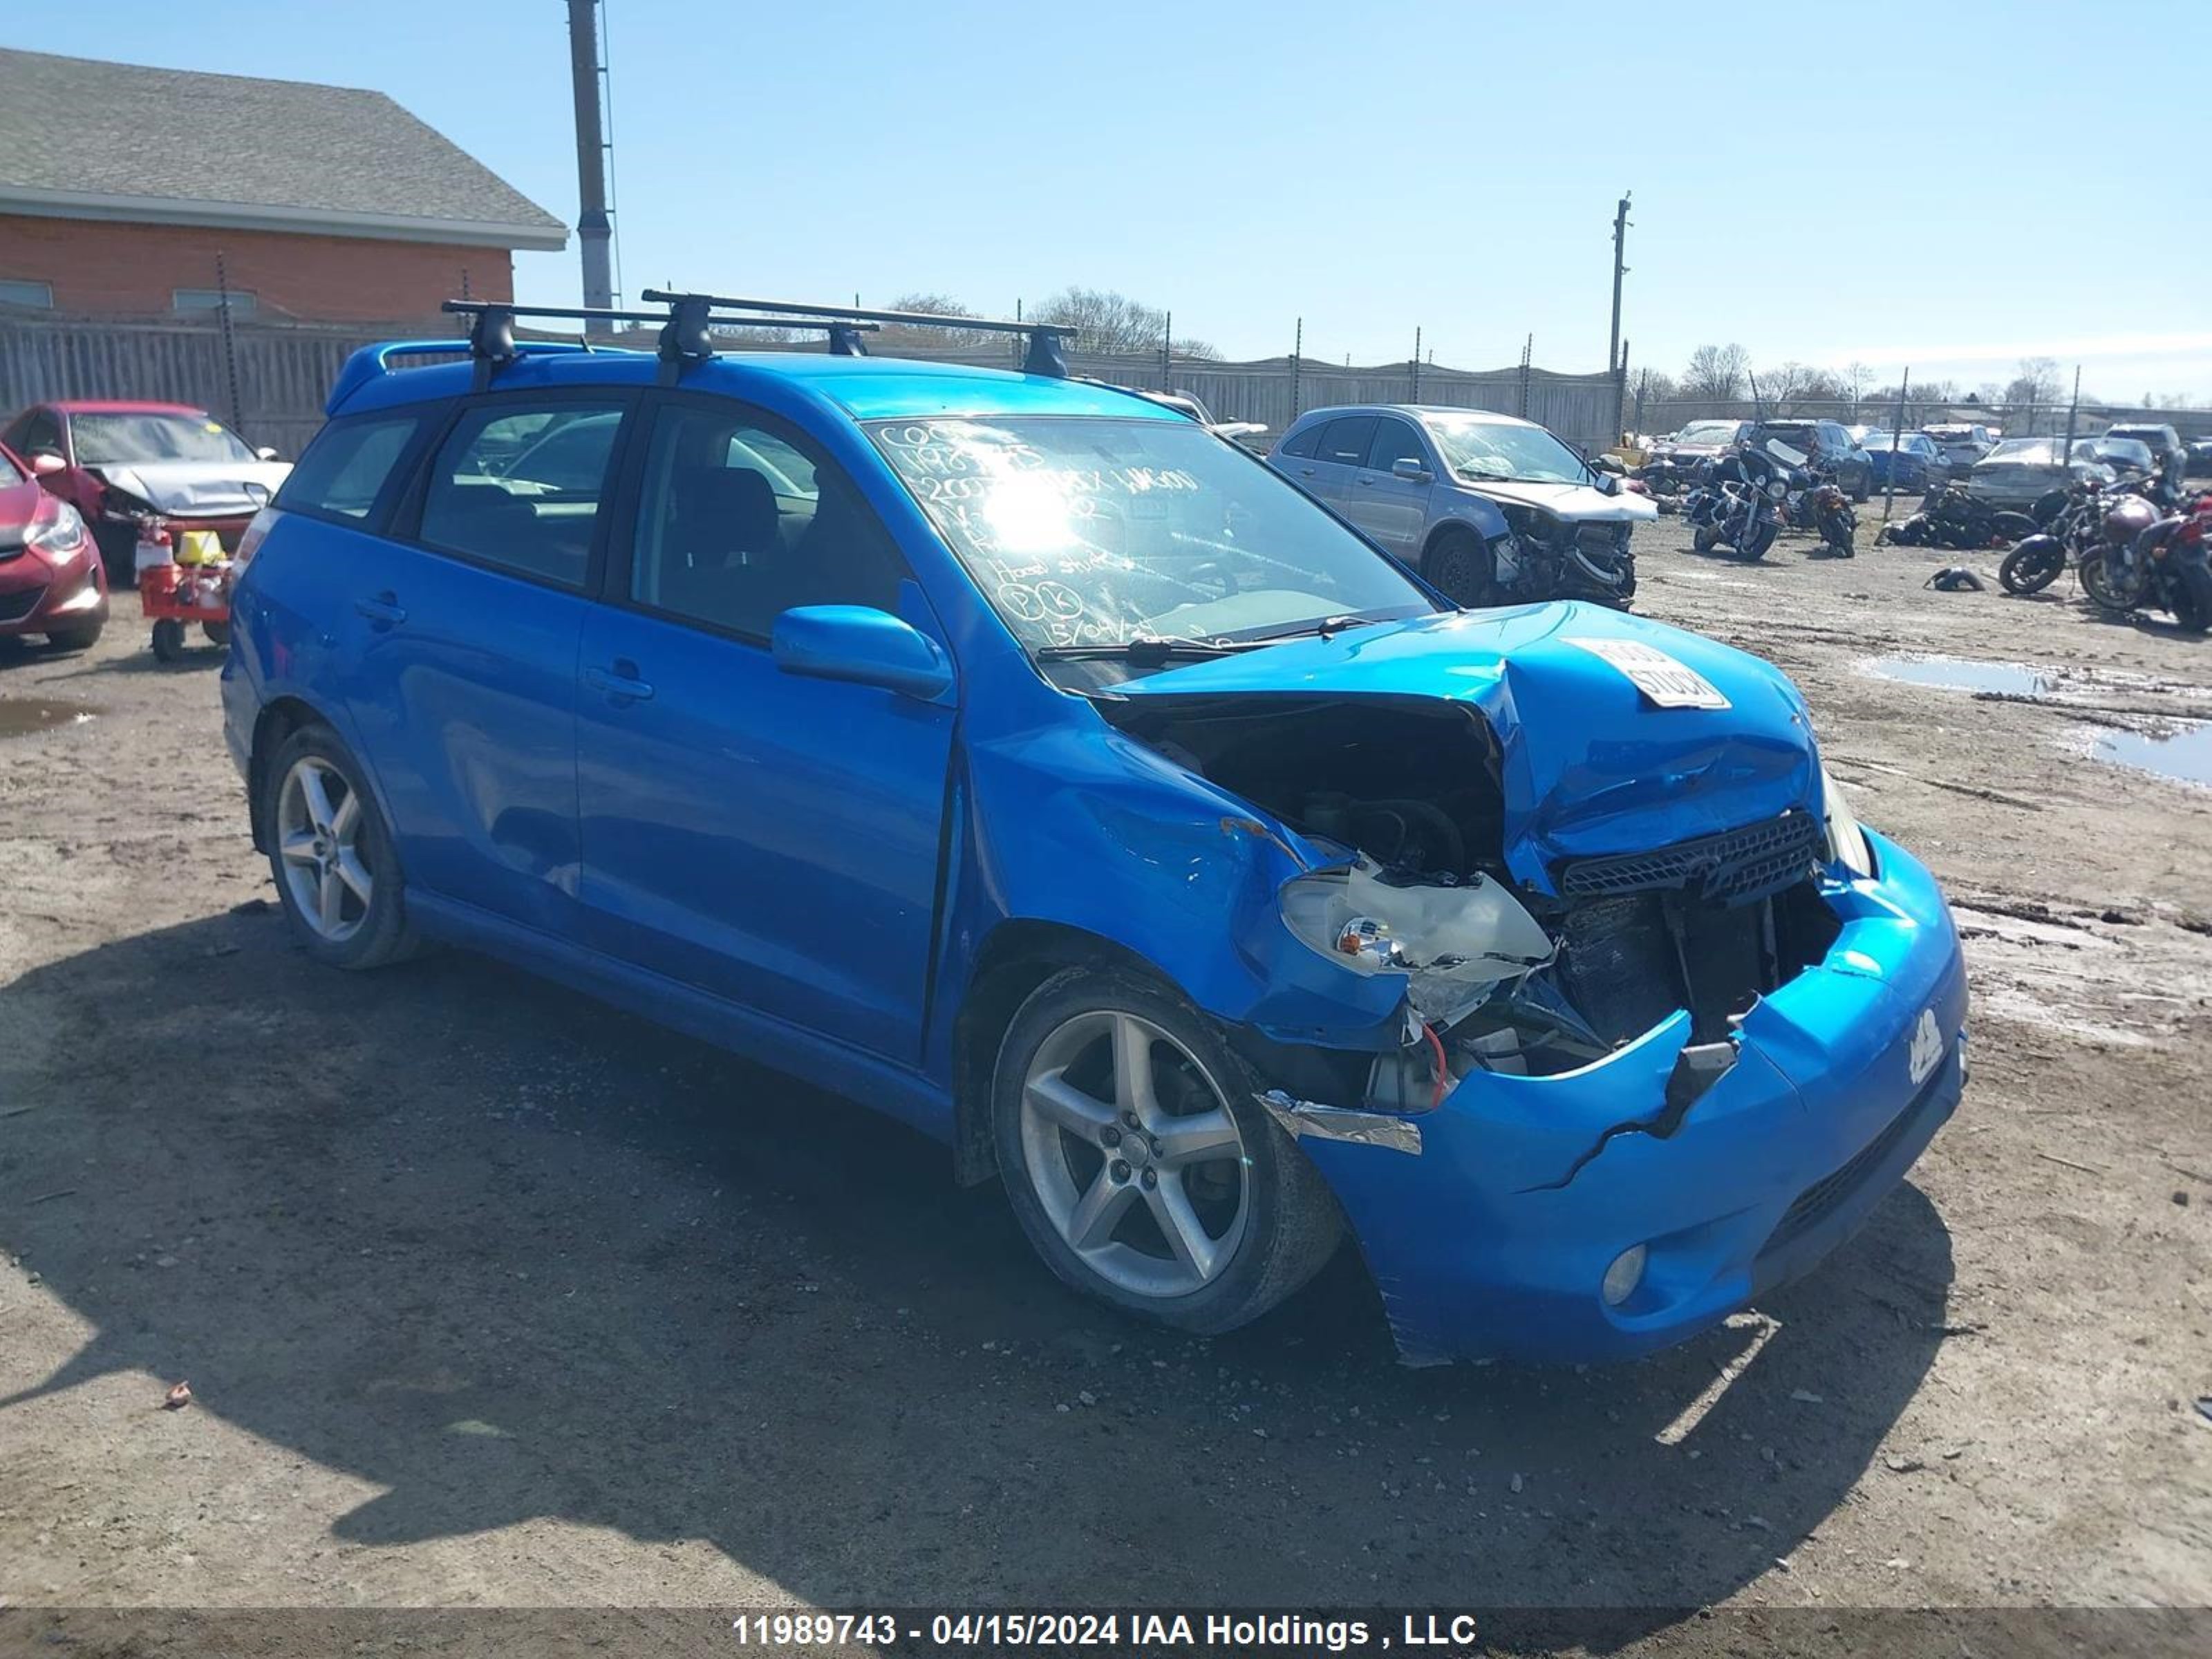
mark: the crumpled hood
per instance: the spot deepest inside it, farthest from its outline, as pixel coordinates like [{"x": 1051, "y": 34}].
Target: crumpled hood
[
  {"x": 1590, "y": 761},
  {"x": 1577, "y": 503},
  {"x": 206, "y": 489}
]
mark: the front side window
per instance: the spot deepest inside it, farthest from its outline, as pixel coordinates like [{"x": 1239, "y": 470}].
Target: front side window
[
  {"x": 1098, "y": 531},
  {"x": 1395, "y": 442},
  {"x": 140, "y": 437},
  {"x": 1500, "y": 452},
  {"x": 738, "y": 522},
  {"x": 519, "y": 487},
  {"x": 348, "y": 465},
  {"x": 1344, "y": 440}
]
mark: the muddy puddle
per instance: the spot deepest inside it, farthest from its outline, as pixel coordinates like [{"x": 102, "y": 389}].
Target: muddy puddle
[
  {"x": 2185, "y": 756},
  {"x": 20, "y": 716},
  {"x": 1963, "y": 674}
]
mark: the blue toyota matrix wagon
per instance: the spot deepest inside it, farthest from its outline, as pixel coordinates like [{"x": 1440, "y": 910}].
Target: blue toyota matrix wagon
[{"x": 1007, "y": 751}]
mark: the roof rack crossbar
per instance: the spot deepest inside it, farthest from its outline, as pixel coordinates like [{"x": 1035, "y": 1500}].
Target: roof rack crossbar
[{"x": 1045, "y": 352}]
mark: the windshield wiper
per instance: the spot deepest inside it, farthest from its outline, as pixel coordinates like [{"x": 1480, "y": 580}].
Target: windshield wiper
[
  {"x": 1144, "y": 648},
  {"x": 1325, "y": 627}
]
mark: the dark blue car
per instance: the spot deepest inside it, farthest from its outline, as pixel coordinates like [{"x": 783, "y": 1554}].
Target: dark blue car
[
  {"x": 1012, "y": 754},
  {"x": 1916, "y": 460}
]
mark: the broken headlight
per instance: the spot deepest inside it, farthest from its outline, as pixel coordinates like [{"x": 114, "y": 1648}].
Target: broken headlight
[
  {"x": 1454, "y": 942},
  {"x": 1847, "y": 843}
]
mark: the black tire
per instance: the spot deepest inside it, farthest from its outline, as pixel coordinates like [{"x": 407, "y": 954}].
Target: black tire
[
  {"x": 2012, "y": 527},
  {"x": 75, "y": 639},
  {"x": 2032, "y": 566},
  {"x": 218, "y": 633},
  {"x": 1460, "y": 565},
  {"x": 2048, "y": 506},
  {"x": 1704, "y": 538},
  {"x": 384, "y": 934},
  {"x": 1840, "y": 531},
  {"x": 1755, "y": 545},
  {"x": 2192, "y": 598},
  {"x": 2097, "y": 581},
  {"x": 1292, "y": 1225},
  {"x": 1864, "y": 487},
  {"x": 169, "y": 640}
]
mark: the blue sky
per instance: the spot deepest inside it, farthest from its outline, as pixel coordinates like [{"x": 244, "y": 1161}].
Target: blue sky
[{"x": 1953, "y": 187}]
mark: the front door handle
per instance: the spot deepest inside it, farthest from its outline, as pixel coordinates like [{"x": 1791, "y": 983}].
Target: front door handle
[
  {"x": 620, "y": 682},
  {"x": 384, "y": 609},
  {"x": 1305, "y": 472},
  {"x": 1369, "y": 482}
]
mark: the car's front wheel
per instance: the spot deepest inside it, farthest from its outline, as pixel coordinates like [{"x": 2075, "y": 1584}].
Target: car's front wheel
[
  {"x": 331, "y": 852},
  {"x": 1139, "y": 1162}
]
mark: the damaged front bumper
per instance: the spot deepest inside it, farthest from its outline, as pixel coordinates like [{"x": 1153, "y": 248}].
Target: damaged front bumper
[{"x": 1490, "y": 1230}]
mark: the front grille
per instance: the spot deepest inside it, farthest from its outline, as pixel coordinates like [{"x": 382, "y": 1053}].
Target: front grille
[
  {"x": 1732, "y": 867},
  {"x": 1820, "y": 1200},
  {"x": 14, "y": 607}
]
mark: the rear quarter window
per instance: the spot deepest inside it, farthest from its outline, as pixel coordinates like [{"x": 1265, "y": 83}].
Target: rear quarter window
[{"x": 350, "y": 468}]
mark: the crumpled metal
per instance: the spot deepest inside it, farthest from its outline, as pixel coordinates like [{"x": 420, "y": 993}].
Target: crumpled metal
[{"x": 1310, "y": 1119}]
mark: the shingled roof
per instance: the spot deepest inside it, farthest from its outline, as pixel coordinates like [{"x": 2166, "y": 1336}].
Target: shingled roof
[{"x": 80, "y": 138}]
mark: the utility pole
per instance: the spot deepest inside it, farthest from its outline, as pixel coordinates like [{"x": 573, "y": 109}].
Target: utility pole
[
  {"x": 1896, "y": 435},
  {"x": 2073, "y": 409},
  {"x": 1415, "y": 397},
  {"x": 594, "y": 230},
  {"x": 1619, "y": 269},
  {"x": 1298, "y": 353}
]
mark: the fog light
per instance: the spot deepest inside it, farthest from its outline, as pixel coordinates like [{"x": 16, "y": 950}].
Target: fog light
[{"x": 1623, "y": 1277}]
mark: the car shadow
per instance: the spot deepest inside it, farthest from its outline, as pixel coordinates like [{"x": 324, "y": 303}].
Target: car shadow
[{"x": 504, "y": 1254}]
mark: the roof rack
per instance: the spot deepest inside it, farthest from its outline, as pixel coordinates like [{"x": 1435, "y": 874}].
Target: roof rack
[
  {"x": 492, "y": 344},
  {"x": 1043, "y": 353}
]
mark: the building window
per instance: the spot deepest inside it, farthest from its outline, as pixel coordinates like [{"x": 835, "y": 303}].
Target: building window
[
  {"x": 191, "y": 300},
  {"x": 35, "y": 296}
]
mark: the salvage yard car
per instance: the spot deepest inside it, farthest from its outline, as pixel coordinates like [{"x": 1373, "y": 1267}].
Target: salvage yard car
[
  {"x": 2020, "y": 471},
  {"x": 1488, "y": 507},
  {"x": 51, "y": 581},
  {"x": 127, "y": 466},
  {"x": 1014, "y": 755}
]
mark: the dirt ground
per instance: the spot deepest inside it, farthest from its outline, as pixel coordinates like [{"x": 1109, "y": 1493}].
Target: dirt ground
[{"x": 490, "y": 1296}]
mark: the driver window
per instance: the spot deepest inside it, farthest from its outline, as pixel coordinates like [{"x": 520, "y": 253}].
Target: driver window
[{"x": 740, "y": 519}]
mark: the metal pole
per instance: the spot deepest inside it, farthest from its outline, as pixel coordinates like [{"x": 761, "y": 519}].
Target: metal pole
[
  {"x": 1297, "y": 351},
  {"x": 1643, "y": 385},
  {"x": 230, "y": 345},
  {"x": 1527, "y": 349},
  {"x": 1897, "y": 430},
  {"x": 1620, "y": 247},
  {"x": 594, "y": 231},
  {"x": 1619, "y": 394},
  {"x": 1415, "y": 397},
  {"x": 1167, "y": 339},
  {"x": 2066, "y": 457}
]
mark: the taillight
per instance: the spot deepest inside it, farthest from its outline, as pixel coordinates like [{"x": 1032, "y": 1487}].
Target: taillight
[{"x": 254, "y": 534}]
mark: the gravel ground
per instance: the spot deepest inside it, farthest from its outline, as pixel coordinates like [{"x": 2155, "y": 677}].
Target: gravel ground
[{"x": 490, "y": 1296}]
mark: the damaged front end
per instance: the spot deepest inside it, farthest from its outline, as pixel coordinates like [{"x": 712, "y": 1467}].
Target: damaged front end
[{"x": 1653, "y": 987}]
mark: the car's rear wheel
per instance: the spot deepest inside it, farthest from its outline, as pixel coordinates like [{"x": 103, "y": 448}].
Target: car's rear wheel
[
  {"x": 1139, "y": 1162},
  {"x": 329, "y": 850}
]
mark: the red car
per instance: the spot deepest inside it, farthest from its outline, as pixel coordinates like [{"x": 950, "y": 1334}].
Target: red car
[
  {"x": 122, "y": 464},
  {"x": 51, "y": 579}
]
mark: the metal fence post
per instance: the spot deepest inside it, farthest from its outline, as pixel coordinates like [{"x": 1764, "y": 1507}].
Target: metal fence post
[
  {"x": 1897, "y": 430},
  {"x": 1297, "y": 351},
  {"x": 229, "y": 344}
]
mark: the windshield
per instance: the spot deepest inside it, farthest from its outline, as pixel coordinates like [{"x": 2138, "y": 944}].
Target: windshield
[
  {"x": 2109, "y": 448},
  {"x": 1707, "y": 431},
  {"x": 1096, "y": 531},
  {"x": 124, "y": 439},
  {"x": 1497, "y": 451},
  {"x": 2029, "y": 451}
]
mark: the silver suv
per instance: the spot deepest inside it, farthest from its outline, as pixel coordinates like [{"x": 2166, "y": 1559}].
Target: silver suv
[{"x": 1492, "y": 510}]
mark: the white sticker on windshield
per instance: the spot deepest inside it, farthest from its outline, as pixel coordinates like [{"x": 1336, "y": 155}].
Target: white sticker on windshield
[{"x": 1669, "y": 684}]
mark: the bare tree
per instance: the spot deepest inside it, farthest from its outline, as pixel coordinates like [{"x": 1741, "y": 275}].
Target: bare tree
[
  {"x": 1716, "y": 372},
  {"x": 1104, "y": 321},
  {"x": 1857, "y": 377},
  {"x": 1779, "y": 386},
  {"x": 2038, "y": 382}
]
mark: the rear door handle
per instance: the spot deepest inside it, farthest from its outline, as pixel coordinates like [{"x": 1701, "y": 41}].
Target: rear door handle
[
  {"x": 383, "y": 610},
  {"x": 620, "y": 682}
]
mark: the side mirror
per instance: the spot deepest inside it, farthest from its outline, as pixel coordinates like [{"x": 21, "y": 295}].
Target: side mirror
[
  {"x": 1409, "y": 468},
  {"x": 265, "y": 454},
  {"x": 44, "y": 463},
  {"x": 861, "y": 646},
  {"x": 1607, "y": 483}
]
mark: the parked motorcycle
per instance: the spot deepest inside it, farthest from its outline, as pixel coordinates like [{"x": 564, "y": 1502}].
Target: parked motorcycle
[
  {"x": 2083, "y": 520},
  {"x": 1737, "y": 501},
  {"x": 2163, "y": 566},
  {"x": 1821, "y": 507},
  {"x": 1949, "y": 517}
]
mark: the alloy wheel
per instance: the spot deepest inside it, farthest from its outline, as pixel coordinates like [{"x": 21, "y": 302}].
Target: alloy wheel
[
  {"x": 319, "y": 838},
  {"x": 1134, "y": 1153}
]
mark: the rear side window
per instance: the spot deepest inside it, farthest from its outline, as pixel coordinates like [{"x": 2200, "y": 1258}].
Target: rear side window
[
  {"x": 1345, "y": 441},
  {"x": 348, "y": 467},
  {"x": 519, "y": 487},
  {"x": 1301, "y": 444}
]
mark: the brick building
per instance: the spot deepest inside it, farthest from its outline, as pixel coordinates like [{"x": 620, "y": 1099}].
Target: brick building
[{"x": 121, "y": 186}]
